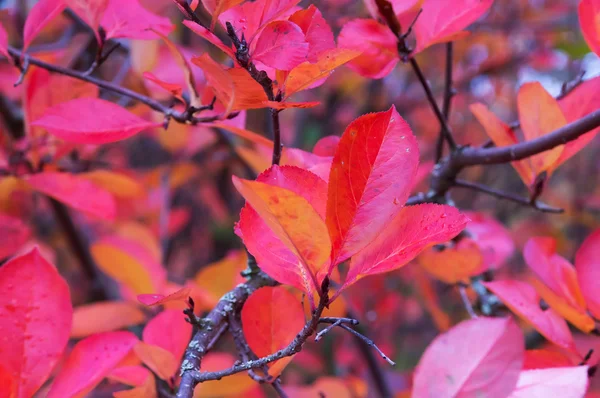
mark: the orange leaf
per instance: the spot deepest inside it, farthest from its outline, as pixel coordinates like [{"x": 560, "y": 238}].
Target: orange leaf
[
  {"x": 218, "y": 78},
  {"x": 159, "y": 360},
  {"x": 160, "y": 299},
  {"x": 169, "y": 331},
  {"x": 146, "y": 390},
  {"x": 232, "y": 386},
  {"x": 120, "y": 185},
  {"x": 453, "y": 264},
  {"x": 105, "y": 317},
  {"x": 220, "y": 277}
]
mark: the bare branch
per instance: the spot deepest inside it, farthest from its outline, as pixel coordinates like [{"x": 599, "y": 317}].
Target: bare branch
[{"x": 448, "y": 94}]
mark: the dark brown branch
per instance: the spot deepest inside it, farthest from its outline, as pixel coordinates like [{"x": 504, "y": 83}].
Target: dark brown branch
[
  {"x": 277, "y": 146},
  {"x": 507, "y": 195},
  {"x": 448, "y": 94},
  {"x": 479, "y": 156}
]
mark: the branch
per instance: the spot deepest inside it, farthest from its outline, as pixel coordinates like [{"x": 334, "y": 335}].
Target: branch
[
  {"x": 544, "y": 208},
  {"x": 470, "y": 156},
  {"x": 231, "y": 302},
  {"x": 448, "y": 94}
]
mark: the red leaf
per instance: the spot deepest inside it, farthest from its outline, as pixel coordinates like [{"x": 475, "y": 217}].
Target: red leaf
[
  {"x": 90, "y": 361},
  {"x": 271, "y": 318},
  {"x": 281, "y": 45},
  {"x": 555, "y": 271},
  {"x": 523, "y": 300},
  {"x": 159, "y": 299},
  {"x": 210, "y": 37},
  {"x": 413, "y": 229},
  {"x": 41, "y": 14},
  {"x": 4, "y": 42},
  {"x": 92, "y": 121},
  {"x": 14, "y": 233},
  {"x": 377, "y": 44},
  {"x": 371, "y": 178},
  {"x": 129, "y": 19},
  {"x": 544, "y": 358},
  {"x": 588, "y": 271},
  {"x": 442, "y": 21},
  {"x": 35, "y": 320},
  {"x": 580, "y": 102},
  {"x": 567, "y": 382},
  {"x": 175, "y": 89},
  {"x": 91, "y": 11},
  {"x": 327, "y": 146},
  {"x": 216, "y": 8},
  {"x": 170, "y": 331},
  {"x": 480, "y": 356},
  {"x": 589, "y": 12},
  {"x": 276, "y": 256},
  {"x": 74, "y": 191},
  {"x": 317, "y": 31},
  {"x": 294, "y": 216}
]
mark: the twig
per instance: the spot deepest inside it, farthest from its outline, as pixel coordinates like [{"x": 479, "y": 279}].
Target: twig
[
  {"x": 507, "y": 195},
  {"x": 448, "y": 94},
  {"x": 465, "y": 299},
  {"x": 277, "y": 147},
  {"x": 369, "y": 342}
]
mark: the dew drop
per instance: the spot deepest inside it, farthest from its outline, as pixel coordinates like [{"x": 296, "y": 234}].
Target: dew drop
[
  {"x": 444, "y": 215},
  {"x": 407, "y": 150}
]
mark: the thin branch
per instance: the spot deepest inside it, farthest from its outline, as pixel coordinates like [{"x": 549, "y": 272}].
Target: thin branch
[
  {"x": 467, "y": 303},
  {"x": 448, "y": 94},
  {"x": 480, "y": 156},
  {"x": 369, "y": 342},
  {"x": 277, "y": 146},
  {"x": 507, "y": 195}
]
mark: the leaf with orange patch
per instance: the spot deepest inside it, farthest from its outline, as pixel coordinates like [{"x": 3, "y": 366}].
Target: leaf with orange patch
[
  {"x": 105, "y": 317},
  {"x": 453, "y": 264}
]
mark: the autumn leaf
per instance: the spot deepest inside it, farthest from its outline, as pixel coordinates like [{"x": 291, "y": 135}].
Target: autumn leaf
[
  {"x": 14, "y": 234},
  {"x": 453, "y": 263},
  {"x": 281, "y": 45},
  {"x": 159, "y": 360},
  {"x": 522, "y": 299},
  {"x": 90, "y": 361},
  {"x": 369, "y": 183},
  {"x": 283, "y": 226},
  {"x": 131, "y": 20},
  {"x": 271, "y": 318},
  {"x": 317, "y": 32},
  {"x": 146, "y": 390},
  {"x": 160, "y": 299},
  {"x": 588, "y": 271},
  {"x": 41, "y": 14},
  {"x": 92, "y": 121},
  {"x": 105, "y": 316},
  {"x": 169, "y": 331},
  {"x": 589, "y": 12},
  {"x": 35, "y": 320},
  {"x": 91, "y": 12},
  {"x": 132, "y": 375},
  {"x": 412, "y": 230},
  {"x": 478, "y": 356},
  {"x": 567, "y": 382},
  {"x": 234, "y": 385}
]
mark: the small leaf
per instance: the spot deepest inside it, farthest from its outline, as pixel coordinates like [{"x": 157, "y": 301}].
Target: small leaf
[
  {"x": 92, "y": 121},
  {"x": 281, "y": 45},
  {"x": 105, "y": 316},
  {"x": 210, "y": 37},
  {"x": 74, "y": 191},
  {"x": 42, "y": 13},
  {"x": 90, "y": 361},
  {"x": 371, "y": 177},
  {"x": 317, "y": 31},
  {"x": 588, "y": 271},
  {"x": 131, "y": 20},
  {"x": 169, "y": 331},
  {"x": 160, "y": 299},
  {"x": 271, "y": 318},
  {"x": 480, "y": 356},
  {"x": 522, "y": 299},
  {"x": 35, "y": 320},
  {"x": 589, "y": 12}
]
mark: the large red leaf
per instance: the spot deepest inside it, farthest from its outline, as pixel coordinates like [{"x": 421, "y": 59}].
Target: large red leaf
[
  {"x": 92, "y": 121},
  {"x": 442, "y": 21},
  {"x": 317, "y": 31},
  {"x": 281, "y": 45},
  {"x": 90, "y": 361},
  {"x": 567, "y": 382},
  {"x": 589, "y": 12},
  {"x": 290, "y": 202},
  {"x": 35, "y": 320},
  {"x": 376, "y": 42},
  {"x": 413, "y": 229},
  {"x": 42, "y": 13},
  {"x": 587, "y": 264},
  {"x": 523, "y": 300},
  {"x": 271, "y": 318},
  {"x": 129, "y": 19},
  {"x": 76, "y": 192},
  {"x": 371, "y": 177},
  {"x": 477, "y": 357},
  {"x": 14, "y": 233}
]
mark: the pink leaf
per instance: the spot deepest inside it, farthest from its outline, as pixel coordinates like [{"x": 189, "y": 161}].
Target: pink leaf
[
  {"x": 587, "y": 264},
  {"x": 170, "y": 331},
  {"x": 317, "y": 31},
  {"x": 377, "y": 44},
  {"x": 4, "y": 42},
  {"x": 480, "y": 356},
  {"x": 90, "y": 361},
  {"x": 92, "y": 121},
  {"x": 210, "y": 37},
  {"x": 14, "y": 233},
  {"x": 371, "y": 177},
  {"x": 35, "y": 320},
  {"x": 159, "y": 299},
  {"x": 413, "y": 229},
  {"x": 41, "y": 14},
  {"x": 568, "y": 382},
  {"x": 589, "y": 12},
  {"x": 76, "y": 192},
  {"x": 523, "y": 300},
  {"x": 129, "y": 19},
  {"x": 442, "y": 21},
  {"x": 90, "y": 11},
  {"x": 492, "y": 237},
  {"x": 281, "y": 45}
]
